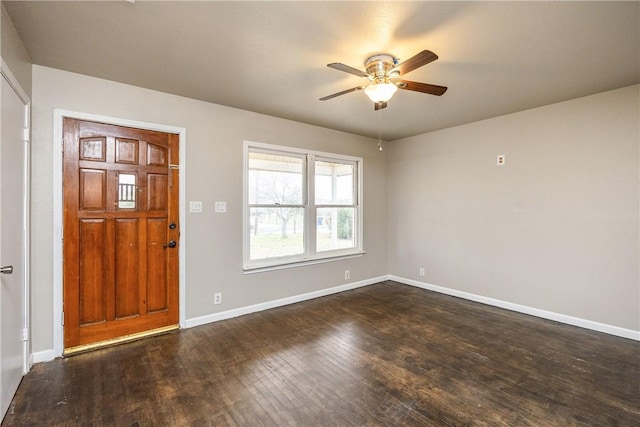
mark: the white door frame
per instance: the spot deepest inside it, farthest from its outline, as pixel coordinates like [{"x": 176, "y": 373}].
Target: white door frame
[
  {"x": 58, "y": 116},
  {"x": 26, "y": 289}
]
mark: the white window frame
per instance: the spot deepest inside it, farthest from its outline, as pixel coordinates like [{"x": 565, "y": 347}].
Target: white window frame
[{"x": 310, "y": 256}]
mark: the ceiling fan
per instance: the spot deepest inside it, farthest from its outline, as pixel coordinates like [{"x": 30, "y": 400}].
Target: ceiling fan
[{"x": 384, "y": 72}]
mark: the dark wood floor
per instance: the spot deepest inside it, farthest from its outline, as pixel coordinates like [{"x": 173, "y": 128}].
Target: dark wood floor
[{"x": 386, "y": 354}]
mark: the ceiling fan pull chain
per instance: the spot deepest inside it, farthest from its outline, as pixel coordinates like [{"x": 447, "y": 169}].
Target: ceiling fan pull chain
[{"x": 380, "y": 132}]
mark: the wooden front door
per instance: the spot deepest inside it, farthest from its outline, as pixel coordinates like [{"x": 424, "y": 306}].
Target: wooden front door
[{"x": 121, "y": 231}]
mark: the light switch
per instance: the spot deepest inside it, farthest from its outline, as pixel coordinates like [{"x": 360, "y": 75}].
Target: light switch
[{"x": 195, "y": 206}]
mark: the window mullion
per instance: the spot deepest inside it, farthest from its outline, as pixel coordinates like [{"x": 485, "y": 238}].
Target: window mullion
[
  {"x": 358, "y": 203},
  {"x": 310, "y": 211}
]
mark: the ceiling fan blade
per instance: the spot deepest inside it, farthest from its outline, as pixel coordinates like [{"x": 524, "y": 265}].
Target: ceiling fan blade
[
  {"x": 333, "y": 95},
  {"x": 379, "y": 105},
  {"x": 347, "y": 69},
  {"x": 416, "y": 61},
  {"x": 421, "y": 87}
]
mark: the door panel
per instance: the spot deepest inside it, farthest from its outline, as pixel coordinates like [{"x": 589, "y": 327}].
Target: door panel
[
  {"x": 93, "y": 283},
  {"x": 12, "y": 243},
  {"x": 93, "y": 191},
  {"x": 157, "y": 199},
  {"x": 93, "y": 149},
  {"x": 126, "y": 151},
  {"x": 127, "y": 286},
  {"x": 120, "y": 195},
  {"x": 157, "y": 264},
  {"x": 156, "y": 155}
]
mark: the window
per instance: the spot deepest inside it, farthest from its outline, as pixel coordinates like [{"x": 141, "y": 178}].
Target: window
[
  {"x": 126, "y": 191},
  {"x": 300, "y": 206}
]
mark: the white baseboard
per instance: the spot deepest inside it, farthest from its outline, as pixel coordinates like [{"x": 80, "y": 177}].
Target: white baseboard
[
  {"x": 216, "y": 317},
  {"x": 562, "y": 318},
  {"x": 42, "y": 356}
]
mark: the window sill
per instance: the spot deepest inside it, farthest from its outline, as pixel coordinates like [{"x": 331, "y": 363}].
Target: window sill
[{"x": 302, "y": 263}]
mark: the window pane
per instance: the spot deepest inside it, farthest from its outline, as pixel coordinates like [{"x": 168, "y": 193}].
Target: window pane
[
  {"x": 126, "y": 191},
  {"x": 334, "y": 229},
  {"x": 334, "y": 183},
  {"x": 276, "y": 232},
  {"x": 275, "y": 179}
]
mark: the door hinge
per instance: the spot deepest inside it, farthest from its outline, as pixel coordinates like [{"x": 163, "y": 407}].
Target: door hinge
[
  {"x": 26, "y": 136},
  {"x": 63, "y": 318},
  {"x": 25, "y": 334}
]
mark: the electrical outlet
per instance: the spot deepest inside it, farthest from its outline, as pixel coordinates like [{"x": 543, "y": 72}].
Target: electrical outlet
[
  {"x": 217, "y": 298},
  {"x": 347, "y": 275},
  {"x": 501, "y": 160},
  {"x": 422, "y": 271}
]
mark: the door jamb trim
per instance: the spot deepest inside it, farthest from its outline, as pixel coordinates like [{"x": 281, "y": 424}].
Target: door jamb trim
[{"x": 58, "y": 116}]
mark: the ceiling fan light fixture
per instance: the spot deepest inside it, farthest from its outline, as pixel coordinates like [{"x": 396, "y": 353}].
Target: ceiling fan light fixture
[
  {"x": 382, "y": 72},
  {"x": 380, "y": 90}
]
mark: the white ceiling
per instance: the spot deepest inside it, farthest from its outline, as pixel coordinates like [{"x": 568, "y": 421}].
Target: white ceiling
[{"x": 270, "y": 57}]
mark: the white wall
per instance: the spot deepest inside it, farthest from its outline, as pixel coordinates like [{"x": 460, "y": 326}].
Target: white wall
[
  {"x": 214, "y": 147},
  {"x": 556, "y": 228}
]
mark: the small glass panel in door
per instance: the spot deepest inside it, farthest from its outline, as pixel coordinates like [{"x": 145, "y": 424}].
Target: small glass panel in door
[{"x": 127, "y": 191}]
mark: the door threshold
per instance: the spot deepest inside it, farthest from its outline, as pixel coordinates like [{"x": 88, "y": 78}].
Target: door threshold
[{"x": 71, "y": 351}]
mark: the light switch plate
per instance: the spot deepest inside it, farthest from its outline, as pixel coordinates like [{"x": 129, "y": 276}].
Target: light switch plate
[
  {"x": 221, "y": 207},
  {"x": 195, "y": 206}
]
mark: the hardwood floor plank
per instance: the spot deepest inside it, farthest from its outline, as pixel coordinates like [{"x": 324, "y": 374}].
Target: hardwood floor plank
[{"x": 383, "y": 355}]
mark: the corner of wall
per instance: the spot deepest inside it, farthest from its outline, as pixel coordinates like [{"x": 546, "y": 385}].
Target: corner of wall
[{"x": 13, "y": 51}]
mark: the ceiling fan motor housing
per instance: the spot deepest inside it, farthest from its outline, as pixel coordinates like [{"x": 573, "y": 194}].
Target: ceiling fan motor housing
[{"x": 379, "y": 67}]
